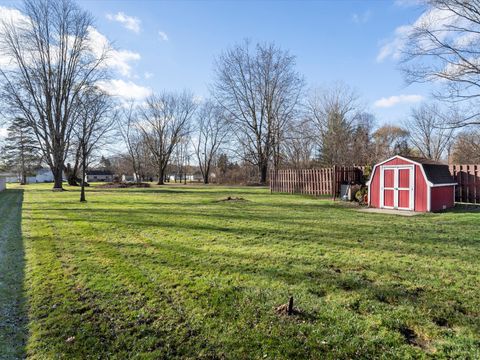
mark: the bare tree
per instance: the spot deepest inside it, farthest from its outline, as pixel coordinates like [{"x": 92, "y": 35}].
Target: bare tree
[
  {"x": 299, "y": 146},
  {"x": 51, "y": 61},
  {"x": 211, "y": 134},
  {"x": 390, "y": 140},
  {"x": 466, "y": 148},
  {"x": 260, "y": 90},
  {"x": 443, "y": 47},
  {"x": 132, "y": 138},
  {"x": 164, "y": 122},
  {"x": 428, "y": 132},
  {"x": 334, "y": 112},
  {"x": 95, "y": 119}
]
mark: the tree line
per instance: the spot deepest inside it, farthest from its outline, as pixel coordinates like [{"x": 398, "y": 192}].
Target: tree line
[{"x": 259, "y": 115}]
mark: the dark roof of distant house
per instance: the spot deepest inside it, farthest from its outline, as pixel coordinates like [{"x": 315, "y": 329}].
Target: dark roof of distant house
[
  {"x": 436, "y": 171},
  {"x": 99, "y": 172}
]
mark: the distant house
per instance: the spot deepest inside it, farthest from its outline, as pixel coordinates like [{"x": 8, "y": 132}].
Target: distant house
[
  {"x": 129, "y": 178},
  {"x": 99, "y": 175},
  {"x": 43, "y": 176},
  {"x": 190, "y": 177}
]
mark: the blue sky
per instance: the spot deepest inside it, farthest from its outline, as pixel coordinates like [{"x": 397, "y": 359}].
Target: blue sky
[{"x": 172, "y": 44}]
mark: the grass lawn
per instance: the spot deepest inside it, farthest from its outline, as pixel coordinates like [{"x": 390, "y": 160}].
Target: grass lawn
[{"x": 171, "y": 272}]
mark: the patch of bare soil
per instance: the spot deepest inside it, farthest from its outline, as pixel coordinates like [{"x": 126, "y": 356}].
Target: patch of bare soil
[
  {"x": 123, "y": 185},
  {"x": 232, "y": 198},
  {"x": 412, "y": 338}
]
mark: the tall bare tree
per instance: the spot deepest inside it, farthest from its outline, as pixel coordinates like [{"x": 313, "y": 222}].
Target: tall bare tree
[
  {"x": 334, "y": 112},
  {"x": 443, "y": 47},
  {"x": 132, "y": 138},
  {"x": 260, "y": 89},
  {"x": 95, "y": 119},
  {"x": 164, "y": 121},
  {"x": 211, "y": 134},
  {"x": 428, "y": 132},
  {"x": 51, "y": 62}
]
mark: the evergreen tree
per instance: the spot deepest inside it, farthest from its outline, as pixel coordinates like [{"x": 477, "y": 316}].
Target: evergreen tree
[{"x": 20, "y": 152}]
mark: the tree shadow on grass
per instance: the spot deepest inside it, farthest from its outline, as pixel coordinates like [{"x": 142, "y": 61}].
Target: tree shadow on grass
[{"x": 13, "y": 320}]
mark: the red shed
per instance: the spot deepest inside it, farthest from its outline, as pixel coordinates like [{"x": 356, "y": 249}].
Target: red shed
[{"x": 411, "y": 183}]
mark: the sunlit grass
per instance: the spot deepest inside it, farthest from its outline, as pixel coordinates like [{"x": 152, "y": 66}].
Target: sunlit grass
[{"x": 172, "y": 272}]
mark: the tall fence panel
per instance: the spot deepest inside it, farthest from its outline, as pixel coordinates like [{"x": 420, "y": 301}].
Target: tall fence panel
[
  {"x": 322, "y": 181},
  {"x": 467, "y": 177}
]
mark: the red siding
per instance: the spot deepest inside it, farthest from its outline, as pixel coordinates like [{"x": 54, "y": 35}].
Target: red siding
[
  {"x": 403, "y": 198},
  {"x": 388, "y": 198},
  {"x": 403, "y": 178},
  {"x": 375, "y": 189},
  {"x": 398, "y": 161},
  {"x": 421, "y": 191},
  {"x": 442, "y": 196}
]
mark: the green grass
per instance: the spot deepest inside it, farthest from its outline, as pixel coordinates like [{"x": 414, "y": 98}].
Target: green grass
[{"x": 171, "y": 272}]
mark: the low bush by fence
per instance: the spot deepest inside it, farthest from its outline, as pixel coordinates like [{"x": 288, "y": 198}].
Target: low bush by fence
[{"x": 327, "y": 181}]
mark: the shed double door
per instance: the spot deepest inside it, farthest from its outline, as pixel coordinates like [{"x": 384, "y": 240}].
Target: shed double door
[{"x": 397, "y": 187}]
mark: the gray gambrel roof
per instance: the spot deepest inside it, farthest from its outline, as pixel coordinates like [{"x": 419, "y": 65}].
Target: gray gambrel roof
[{"x": 435, "y": 171}]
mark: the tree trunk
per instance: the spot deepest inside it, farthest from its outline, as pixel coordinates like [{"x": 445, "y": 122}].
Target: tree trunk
[
  {"x": 161, "y": 176},
  {"x": 205, "y": 178},
  {"x": 263, "y": 173},
  {"x": 82, "y": 190},
  {"x": 58, "y": 177}
]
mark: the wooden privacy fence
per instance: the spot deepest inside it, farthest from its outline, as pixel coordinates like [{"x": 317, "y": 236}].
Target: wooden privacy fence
[
  {"x": 467, "y": 177},
  {"x": 324, "y": 181}
]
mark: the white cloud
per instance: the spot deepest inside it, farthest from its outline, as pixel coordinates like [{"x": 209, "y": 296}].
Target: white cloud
[
  {"x": 128, "y": 22},
  {"x": 118, "y": 60},
  {"x": 148, "y": 75},
  {"x": 10, "y": 16},
  {"x": 397, "y": 99},
  {"x": 125, "y": 89},
  {"x": 3, "y": 132},
  {"x": 163, "y": 36},
  {"x": 394, "y": 47},
  {"x": 362, "y": 18}
]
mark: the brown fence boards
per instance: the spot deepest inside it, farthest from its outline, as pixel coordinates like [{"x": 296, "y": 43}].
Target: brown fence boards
[
  {"x": 467, "y": 177},
  {"x": 323, "y": 181}
]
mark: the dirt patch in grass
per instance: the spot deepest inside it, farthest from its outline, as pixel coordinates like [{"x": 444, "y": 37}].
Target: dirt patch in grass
[
  {"x": 412, "y": 338},
  {"x": 124, "y": 185},
  {"x": 232, "y": 199}
]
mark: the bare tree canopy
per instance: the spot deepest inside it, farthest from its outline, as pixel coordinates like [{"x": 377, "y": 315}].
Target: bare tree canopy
[
  {"x": 126, "y": 124},
  {"x": 466, "y": 148},
  {"x": 260, "y": 89},
  {"x": 337, "y": 115},
  {"x": 211, "y": 132},
  {"x": 390, "y": 140},
  {"x": 51, "y": 61},
  {"x": 164, "y": 121},
  {"x": 299, "y": 144},
  {"x": 429, "y": 133},
  {"x": 443, "y": 47}
]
